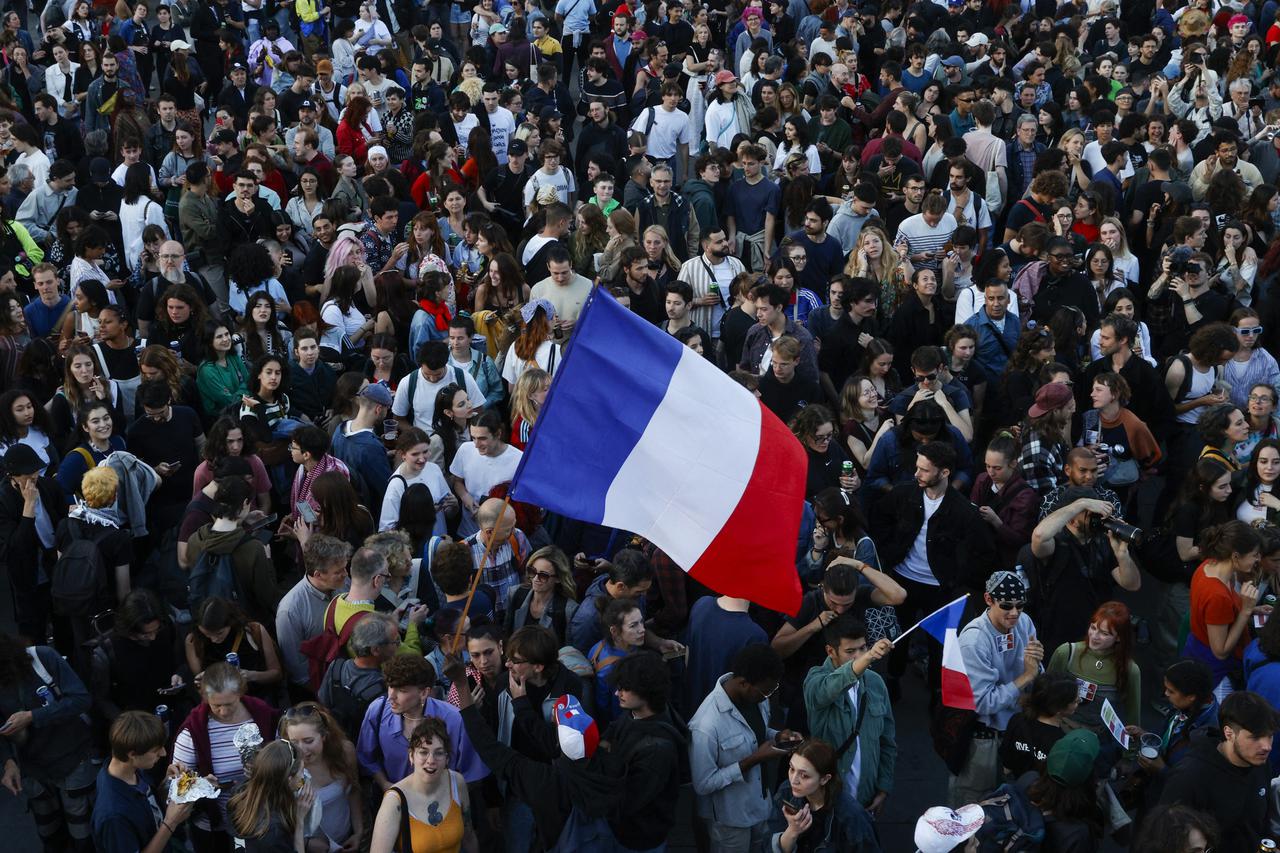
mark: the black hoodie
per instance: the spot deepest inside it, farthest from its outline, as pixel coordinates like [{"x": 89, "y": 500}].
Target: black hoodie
[
  {"x": 646, "y": 756},
  {"x": 1236, "y": 796},
  {"x": 551, "y": 790}
]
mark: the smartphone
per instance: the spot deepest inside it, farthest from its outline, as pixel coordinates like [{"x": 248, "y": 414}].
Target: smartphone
[
  {"x": 305, "y": 512},
  {"x": 265, "y": 521},
  {"x": 791, "y": 804}
]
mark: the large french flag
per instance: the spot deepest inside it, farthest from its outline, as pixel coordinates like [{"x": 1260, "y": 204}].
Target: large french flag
[
  {"x": 643, "y": 434},
  {"x": 944, "y": 626}
]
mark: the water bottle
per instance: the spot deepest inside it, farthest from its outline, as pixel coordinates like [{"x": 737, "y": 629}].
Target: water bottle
[
  {"x": 233, "y": 659},
  {"x": 45, "y": 695}
]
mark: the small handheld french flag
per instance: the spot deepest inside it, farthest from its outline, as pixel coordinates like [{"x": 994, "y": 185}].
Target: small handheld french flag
[{"x": 943, "y": 625}]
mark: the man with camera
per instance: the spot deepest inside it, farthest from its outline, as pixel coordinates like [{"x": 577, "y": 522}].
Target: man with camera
[{"x": 1081, "y": 553}]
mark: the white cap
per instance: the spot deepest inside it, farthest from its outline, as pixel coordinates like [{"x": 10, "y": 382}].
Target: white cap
[
  {"x": 179, "y": 44},
  {"x": 940, "y": 829},
  {"x": 977, "y": 40}
]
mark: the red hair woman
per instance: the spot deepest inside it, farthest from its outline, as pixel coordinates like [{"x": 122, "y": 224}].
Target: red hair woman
[{"x": 1103, "y": 666}]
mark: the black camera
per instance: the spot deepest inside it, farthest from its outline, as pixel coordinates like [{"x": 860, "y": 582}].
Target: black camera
[
  {"x": 1125, "y": 532},
  {"x": 1180, "y": 262}
]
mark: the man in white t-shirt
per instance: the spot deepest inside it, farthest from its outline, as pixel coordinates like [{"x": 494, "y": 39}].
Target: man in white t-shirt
[
  {"x": 552, "y": 174},
  {"x": 484, "y": 462},
  {"x": 667, "y": 129},
  {"x": 415, "y": 400},
  {"x": 502, "y": 124}
]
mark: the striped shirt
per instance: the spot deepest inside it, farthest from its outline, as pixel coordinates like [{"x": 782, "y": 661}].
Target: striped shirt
[
  {"x": 504, "y": 569},
  {"x": 922, "y": 239},
  {"x": 227, "y": 765}
]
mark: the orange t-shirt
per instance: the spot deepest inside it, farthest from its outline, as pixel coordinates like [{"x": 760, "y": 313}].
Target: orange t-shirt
[{"x": 1213, "y": 603}]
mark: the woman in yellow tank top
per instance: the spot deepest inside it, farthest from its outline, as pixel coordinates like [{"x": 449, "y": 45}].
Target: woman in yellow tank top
[{"x": 430, "y": 806}]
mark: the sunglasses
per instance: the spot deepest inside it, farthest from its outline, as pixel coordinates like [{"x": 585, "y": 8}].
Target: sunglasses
[
  {"x": 543, "y": 576},
  {"x": 1256, "y": 330},
  {"x": 1011, "y": 605},
  {"x": 928, "y": 377},
  {"x": 1061, "y": 256}
]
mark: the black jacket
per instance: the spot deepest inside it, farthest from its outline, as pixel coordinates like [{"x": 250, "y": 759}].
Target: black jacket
[
  {"x": 645, "y": 756},
  {"x": 958, "y": 544},
  {"x": 841, "y": 354},
  {"x": 20, "y": 548},
  {"x": 551, "y": 790},
  {"x": 610, "y": 140},
  {"x": 1236, "y": 796},
  {"x": 1148, "y": 399},
  {"x": 1071, "y": 290}
]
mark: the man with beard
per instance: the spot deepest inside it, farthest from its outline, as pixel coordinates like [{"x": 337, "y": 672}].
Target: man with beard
[
  {"x": 312, "y": 271},
  {"x": 104, "y": 97},
  {"x": 173, "y": 270},
  {"x": 825, "y": 256},
  {"x": 1229, "y": 778},
  {"x": 710, "y": 274},
  {"x": 1226, "y": 157},
  {"x": 844, "y": 345},
  {"x": 1078, "y": 565}
]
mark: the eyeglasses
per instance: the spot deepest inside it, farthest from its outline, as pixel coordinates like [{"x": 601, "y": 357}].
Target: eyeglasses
[
  {"x": 965, "y": 100},
  {"x": 1061, "y": 256},
  {"x": 824, "y": 438},
  {"x": 543, "y": 576},
  {"x": 1261, "y": 398},
  {"x": 1256, "y": 330},
  {"x": 928, "y": 377},
  {"x": 1011, "y": 605}
]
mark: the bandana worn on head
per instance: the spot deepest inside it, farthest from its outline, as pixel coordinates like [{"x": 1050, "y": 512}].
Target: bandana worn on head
[{"x": 1007, "y": 586}]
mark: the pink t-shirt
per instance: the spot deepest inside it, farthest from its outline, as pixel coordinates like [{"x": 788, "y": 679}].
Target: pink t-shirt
[{"x": 261, "y": 482}]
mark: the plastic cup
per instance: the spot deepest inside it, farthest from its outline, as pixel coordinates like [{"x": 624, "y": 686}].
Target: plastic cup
[
  {"x": 1150, "y": 746},
  {"x": 390, "y": 429}
]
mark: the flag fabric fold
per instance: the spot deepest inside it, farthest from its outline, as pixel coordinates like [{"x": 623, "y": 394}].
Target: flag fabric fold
[
  {"x": 944, "y": 626},
  {"x": 642, "y": 434}
]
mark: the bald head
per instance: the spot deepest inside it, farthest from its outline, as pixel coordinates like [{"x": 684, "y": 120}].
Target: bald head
[
  {"x": 172, "y": 255},
  {"x": 492, "y": 517}
]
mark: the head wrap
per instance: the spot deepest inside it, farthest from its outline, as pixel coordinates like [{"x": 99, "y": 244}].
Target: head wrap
[{"x": 1007, "y": 586}]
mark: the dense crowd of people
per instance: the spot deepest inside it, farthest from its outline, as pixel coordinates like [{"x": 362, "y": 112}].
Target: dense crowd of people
[{"x": 285, "y": 287}]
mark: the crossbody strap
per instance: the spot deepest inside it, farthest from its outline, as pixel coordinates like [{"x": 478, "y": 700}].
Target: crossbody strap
[
  {"x": 857, "y": 726},
  {"x": 405, "y": 842}
]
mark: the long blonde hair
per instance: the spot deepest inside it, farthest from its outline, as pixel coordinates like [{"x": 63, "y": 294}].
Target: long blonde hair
[
  {"x": 522, "y": 402},
  {"x": 880, "y": 269},
  {"x": 668, "y": 256},
  {"x": 1123, "y": 251}
]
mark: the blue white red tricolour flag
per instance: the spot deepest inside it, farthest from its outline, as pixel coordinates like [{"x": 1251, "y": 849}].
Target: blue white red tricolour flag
[
  {"x": 642, "y": 434},
  {"x": 943, "y": 625}
]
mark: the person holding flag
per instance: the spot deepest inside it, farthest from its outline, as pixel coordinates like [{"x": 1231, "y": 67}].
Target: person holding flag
[{"x": 1000, "y": 656}]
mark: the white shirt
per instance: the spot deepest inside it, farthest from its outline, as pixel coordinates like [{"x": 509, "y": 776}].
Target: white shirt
[
  {"x": 1093, "y": 156},
  {"x": 513, "y": 367},
  {"x": 134, "y": 217},
  {"x": 666, "y": 131},
  {"x": 916, "y": 566},
  {"x": 481, "y": 473},
  {"x": 855, "y": 767},
  {"x": 423, "y": 403},
  {"x": 463, "y": 130},
  {"x": 38, "y": 162},
  {"x": 430, "y": 476},
  {"x": 502, "y": 126},
  {"x": 341, "y": 324},
  {"x": 561, "y": 179}
]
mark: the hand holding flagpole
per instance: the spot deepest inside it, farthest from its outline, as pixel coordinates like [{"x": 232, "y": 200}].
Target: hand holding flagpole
[{"x": 927, "y": 618}]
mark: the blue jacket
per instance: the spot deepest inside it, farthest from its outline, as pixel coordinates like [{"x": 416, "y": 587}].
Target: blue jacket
[
  {"x": 1263, "y": 677},
  {"x": 992, "y": 354},
  {"x": 887, "y": 468},
  {"x": 366, "y": 459}
]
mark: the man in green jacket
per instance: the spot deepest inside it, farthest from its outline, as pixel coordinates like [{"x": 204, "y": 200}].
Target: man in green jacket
[{"x": 848, "y": 707}]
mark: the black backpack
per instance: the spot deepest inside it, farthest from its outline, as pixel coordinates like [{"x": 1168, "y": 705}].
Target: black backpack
[
  {"x": 79, "y": 584},
  {"x": 347, "y": 703},
  {"x": 214, "y": 575}
]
